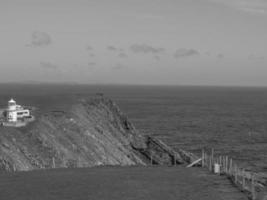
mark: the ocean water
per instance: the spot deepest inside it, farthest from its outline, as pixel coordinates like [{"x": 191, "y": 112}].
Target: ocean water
[{"x": 232, "y": 120}]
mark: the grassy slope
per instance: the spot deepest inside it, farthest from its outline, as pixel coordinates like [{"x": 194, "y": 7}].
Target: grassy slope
[
  {"x": 88, "y": 133},
  {"x": 103, "y": 183}
]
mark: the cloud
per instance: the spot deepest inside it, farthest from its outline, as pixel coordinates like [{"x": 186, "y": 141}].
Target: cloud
[
  {"x": 144, "y": 48},
  {"x": 48, "y": 65},
  {"x": 40, "y": 39},
  {"x": 122, "y": 55},
  {"x": 119, "y": 66},
  {"x": 250, "y": 6},
  {"x": 207, "y": 53},
  {"x": 255, "y": 57},
  {"x": 112, "y": 48},
  {"x": 183, "y": 52},
  {"x": 89, "y": 48},
  {"x": 91, "y": 64},
  {"x": 157, "y": 58},
  {"x": 220, "y": 56},
  {"x": 255, "y": 10}
]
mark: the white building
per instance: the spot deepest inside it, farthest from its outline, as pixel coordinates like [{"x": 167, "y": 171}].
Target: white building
[{"x": 16, "y": 112}]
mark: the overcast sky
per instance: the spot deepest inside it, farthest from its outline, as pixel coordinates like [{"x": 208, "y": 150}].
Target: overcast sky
[{"x": 196, "y": 42}]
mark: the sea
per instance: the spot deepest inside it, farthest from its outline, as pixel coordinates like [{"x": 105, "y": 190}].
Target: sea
[{"x": 231, "y": 120}]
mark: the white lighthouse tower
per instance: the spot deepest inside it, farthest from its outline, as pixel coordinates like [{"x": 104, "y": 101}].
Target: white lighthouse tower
[{"x": 12, "y": 111}]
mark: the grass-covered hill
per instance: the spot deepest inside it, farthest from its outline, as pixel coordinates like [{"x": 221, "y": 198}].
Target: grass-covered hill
[
  {"x": 117, "y": 183},
  {"x": 82, "y": 133},
  {"x": 88, "y": 133}
]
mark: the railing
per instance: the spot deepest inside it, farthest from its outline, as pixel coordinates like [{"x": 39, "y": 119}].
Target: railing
[{"x": 246, "y": 181}]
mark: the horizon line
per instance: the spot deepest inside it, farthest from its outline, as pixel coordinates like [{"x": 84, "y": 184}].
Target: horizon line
[{"x": 128, "y": 84}]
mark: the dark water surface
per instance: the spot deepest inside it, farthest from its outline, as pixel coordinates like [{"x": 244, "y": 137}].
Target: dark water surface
[{"x": 231, "y": 120}]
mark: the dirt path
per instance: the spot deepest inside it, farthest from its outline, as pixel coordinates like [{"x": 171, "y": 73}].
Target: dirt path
[{"x": 118, "y": 183}]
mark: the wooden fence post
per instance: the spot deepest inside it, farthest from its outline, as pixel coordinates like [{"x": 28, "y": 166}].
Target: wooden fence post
[
  {"x": 210, "y": 163},
  {"x": 207, "y": 160},
  {"x": 253, "y": 187},
  {"x": 238, "y": 175},
  {"x": 243, "y": 179},
  {"x": 223, "y": 164},
  {"x": 226, "y": 165},
  {"x": 220, "y": 162},
  {"x": 203, "y": 158},
  {"x": 235, "y": 174},
  {"x": 79, "y": 162},
  {"x": 53, "y": 163},
  {"x": 212, "y": 157},
  {"x": 231, "y": 167}
]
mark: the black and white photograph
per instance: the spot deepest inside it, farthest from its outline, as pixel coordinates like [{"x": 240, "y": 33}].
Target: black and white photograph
[{"x": 133, "y": 99}]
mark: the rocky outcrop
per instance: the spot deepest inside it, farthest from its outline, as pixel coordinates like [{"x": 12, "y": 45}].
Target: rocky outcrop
[{"x": 90, "y": 133}]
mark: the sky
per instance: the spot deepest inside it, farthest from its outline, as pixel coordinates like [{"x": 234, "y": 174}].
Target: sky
[{"x": 162, "y": 42}]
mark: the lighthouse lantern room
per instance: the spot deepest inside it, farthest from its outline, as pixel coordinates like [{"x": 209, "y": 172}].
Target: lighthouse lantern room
[{"x": 12, "y": 111}]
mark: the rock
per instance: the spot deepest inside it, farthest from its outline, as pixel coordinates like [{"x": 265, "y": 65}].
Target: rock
[{"x": 89, "y": 133}]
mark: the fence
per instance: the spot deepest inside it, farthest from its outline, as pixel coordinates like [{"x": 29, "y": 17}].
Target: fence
[{"x": 246, "y": 181}]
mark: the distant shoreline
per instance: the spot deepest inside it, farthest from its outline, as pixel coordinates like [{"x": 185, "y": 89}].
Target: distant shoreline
[{"x": 134, "y": 85}]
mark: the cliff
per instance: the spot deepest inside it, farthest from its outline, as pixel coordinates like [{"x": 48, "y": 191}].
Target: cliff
[{"x": 89, "y": 133}]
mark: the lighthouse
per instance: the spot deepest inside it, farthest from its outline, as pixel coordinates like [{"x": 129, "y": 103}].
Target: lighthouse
[
  {"x": 12, "y": 111},
  {"x": 15, "y": 115}
]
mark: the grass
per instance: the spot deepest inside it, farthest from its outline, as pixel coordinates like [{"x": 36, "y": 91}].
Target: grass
[{"x": 118, "y": 183}]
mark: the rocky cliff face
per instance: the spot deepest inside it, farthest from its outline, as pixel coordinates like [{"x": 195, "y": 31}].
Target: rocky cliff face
[
  {"x": 92, "y": 132},
  {"x": 89, "y": 133}
]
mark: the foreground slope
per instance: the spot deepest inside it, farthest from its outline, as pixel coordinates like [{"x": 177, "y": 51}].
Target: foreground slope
[
  {"x": 88, "y": 133},
  {"x": 118, "y": 183}
]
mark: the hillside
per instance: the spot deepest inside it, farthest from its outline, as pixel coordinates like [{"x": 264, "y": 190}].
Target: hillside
[
  {"x": 118, "y": 183},
  {"x": 89, "y": 132}
]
